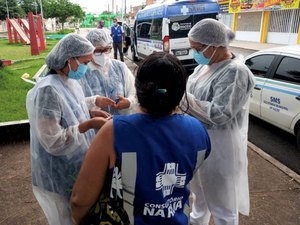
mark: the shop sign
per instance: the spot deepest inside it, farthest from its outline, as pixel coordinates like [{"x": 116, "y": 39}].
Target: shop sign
[
  {"x": 224, "y": 8},
  {"x": 261, "y": 5}
]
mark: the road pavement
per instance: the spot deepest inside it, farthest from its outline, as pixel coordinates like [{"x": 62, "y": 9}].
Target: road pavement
[{"x": 274, "y": 195}]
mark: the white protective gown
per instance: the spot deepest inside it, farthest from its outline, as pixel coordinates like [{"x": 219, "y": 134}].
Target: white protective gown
[
  {"x": 218, "y": 95},
  {"x": 55, "y": 108},
  {"x": 113, "y": 79}
]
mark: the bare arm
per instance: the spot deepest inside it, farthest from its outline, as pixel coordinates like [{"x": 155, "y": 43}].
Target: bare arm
[{"x": 91, "y": 178}]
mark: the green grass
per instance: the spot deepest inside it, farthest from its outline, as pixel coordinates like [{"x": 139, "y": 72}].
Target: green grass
[
  {"x": 20, "y": 51},
  {"x": 13, "y": 89}
]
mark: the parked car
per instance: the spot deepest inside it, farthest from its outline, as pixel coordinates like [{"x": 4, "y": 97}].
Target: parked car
[{"x": 276, "y": 95}]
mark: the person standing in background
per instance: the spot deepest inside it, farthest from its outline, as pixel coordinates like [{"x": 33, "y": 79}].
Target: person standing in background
[
  {"x": 218, "y": 95},
  {"x": 118, "y": 36},
  {"x": 101, "y": 24}
]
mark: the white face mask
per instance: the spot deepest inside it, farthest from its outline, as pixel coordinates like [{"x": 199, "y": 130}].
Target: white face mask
[{"x": 100, "y": 60}]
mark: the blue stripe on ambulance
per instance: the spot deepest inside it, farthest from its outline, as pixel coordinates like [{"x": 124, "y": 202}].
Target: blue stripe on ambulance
[
  {"x": 178, "y": 9},
  {"x": 294, "y": 86},
  {"x": 278, "y": 90}
]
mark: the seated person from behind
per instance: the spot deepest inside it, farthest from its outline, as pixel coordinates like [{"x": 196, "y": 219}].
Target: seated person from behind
[{"x": 157, "y": 149}]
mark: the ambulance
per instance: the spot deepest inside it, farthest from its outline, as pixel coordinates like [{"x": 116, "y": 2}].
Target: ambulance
[{"x": 164, "y": 27}]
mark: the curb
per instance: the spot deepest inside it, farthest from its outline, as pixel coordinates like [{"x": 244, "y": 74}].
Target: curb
[
  {"x": 16, "y": 122},
  {"x": 275, "y": 162},
  {"x": 14, "y": 131},
  {"x": 244, "y": 48},
  {"x": 253, "y": 46}
]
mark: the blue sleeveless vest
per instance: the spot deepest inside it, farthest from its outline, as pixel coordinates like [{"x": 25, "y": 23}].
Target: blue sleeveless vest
[
  {"x": 158, "y": 158},
  {"x": 116, "y": 34}
]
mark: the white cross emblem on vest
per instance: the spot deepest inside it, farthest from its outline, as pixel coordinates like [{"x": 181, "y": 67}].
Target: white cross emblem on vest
[{"x": 169, "y": 178}]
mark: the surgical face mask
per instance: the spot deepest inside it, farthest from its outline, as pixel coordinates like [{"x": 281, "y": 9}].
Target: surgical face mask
[
  {"x": 116, "y": 24},
  {"x": 200, "y": 58},
  {"x": 101, "y": 59},
  {"x": 79, "y": 73}
]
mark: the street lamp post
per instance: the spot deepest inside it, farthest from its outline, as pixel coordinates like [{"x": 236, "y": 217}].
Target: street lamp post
[
  {"x": 7, "y": 10},
  {"x": 36, "y": 5},
  {"x": 125, "y": 7},
  {"x": 42, "y": 14}
]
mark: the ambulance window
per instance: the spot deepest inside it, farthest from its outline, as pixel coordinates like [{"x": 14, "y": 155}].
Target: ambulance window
[
  {"x": 259, "y": 65},
  {"x": 143, "y": 29},
  {"x": 180, "y": 26},
  {"x": 199, "y": 17},
  {"x": 288, "y": 70},
  {"x": 156, "y": 29}
]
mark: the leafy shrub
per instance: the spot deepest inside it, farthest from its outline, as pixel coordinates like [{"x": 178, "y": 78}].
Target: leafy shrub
[{"x": 66, "y": 31}]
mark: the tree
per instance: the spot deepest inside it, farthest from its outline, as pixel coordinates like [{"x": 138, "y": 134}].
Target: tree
[
  {"x": 62, "y": 10},
  {"x": 30, "y": 6},
  {"x": 78, "y": 12},
  {"x": 15, "y": 10}
]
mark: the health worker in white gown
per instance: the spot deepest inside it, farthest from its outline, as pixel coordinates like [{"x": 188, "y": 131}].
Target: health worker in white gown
[
  {"x": 61, "y": 128},
  {"x": 109, "y": 77},
  {"x": 218, "y": 95}
]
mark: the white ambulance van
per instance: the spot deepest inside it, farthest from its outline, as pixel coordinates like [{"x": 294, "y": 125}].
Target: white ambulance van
[{"x": 164, "y": 27}]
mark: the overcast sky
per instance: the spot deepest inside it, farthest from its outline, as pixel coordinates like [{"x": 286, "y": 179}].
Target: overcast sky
[{"x": 97, "y": 6}]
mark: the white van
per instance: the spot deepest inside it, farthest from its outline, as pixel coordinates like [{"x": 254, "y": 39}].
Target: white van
[{"x": 164, "y": 27}]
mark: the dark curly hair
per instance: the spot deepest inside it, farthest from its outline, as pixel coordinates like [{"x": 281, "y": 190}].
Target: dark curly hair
[{"x": 160, "y": 84}]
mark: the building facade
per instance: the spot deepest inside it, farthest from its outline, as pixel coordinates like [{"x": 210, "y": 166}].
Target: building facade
[{"x": 264, "y": 21}]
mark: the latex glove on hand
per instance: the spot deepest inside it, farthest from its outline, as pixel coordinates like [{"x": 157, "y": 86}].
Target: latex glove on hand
[{"x": 122, "y": 103}]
